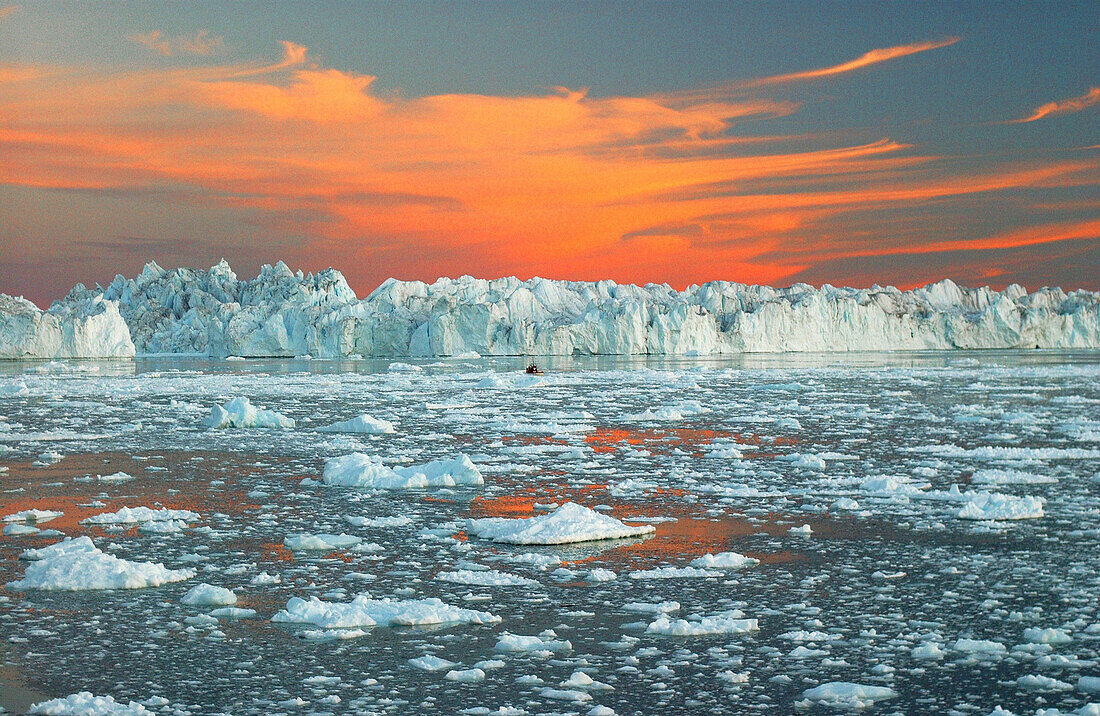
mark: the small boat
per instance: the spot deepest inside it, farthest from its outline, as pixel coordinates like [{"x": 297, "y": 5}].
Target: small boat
[{"x": 533, "y": 370}]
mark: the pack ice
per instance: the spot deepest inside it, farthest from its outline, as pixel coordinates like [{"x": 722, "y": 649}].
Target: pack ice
[
  {"x": 77, "y": 564},
  {"x": 281, "y": 313}
]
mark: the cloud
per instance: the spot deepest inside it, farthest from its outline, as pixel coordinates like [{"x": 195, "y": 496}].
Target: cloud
[
  {"x": 1066, "y": 106},
  {"x": 872, "y": 57},
  {"x": 316, "y": 165},
  {"x": 199, "y": 42}
]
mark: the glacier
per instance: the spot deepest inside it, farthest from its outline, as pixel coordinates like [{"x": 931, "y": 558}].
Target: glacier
[{"x": 281, "y": 313}]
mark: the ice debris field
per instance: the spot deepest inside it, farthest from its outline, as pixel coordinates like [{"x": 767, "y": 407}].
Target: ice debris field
[
  {"x": 816, "y": 533},
  {"x": 285, "y": 314}
]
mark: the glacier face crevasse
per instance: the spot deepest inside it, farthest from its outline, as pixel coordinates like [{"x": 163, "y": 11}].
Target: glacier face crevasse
[{"x": 282, "y": 313}]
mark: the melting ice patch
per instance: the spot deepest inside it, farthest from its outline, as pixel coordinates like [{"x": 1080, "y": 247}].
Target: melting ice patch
[
  {"x": 726, "y": 623},
  {"x": 75, "y": 565},
  {"x": 569, "y": 523},
  {"x": 846, "y": 695},
  {"x": 87, "y": 704}
]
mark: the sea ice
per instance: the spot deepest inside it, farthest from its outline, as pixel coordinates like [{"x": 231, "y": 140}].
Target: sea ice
[
  {"x": 363, "y": 611},
  {"x": 364, "y": 471},
  {"x": 240, "y": 413}
]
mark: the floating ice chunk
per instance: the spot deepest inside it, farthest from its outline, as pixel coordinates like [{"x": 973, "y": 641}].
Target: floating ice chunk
[
  {"x": 599, "y": 574},
  {"x": 565, "y": 695},
  {"x": 889, "y": 485},
  {"x": 724, "y": 560},
  {"x": 805, "y": 461},
  {"x": 364, "y": 471},
  {"x": 208, "y": 595},
  {"x": 240, "y": 413},
  {"x": 584, "y": 682},
  {"x": 509, "y": 643},
  {"x": 927, "y": 651},
  {"x": 32, "y": 515},
  {"x": 729, "y": 623},
  {"x": 431, "y": 662},
  {"x": 994, "y": 506},
  {"x": 569, "y": 523},
  {"x": 979, "y": 646},
  {"x": 674, "y": 573},
  {"x": 75, "y": 565},
  {"x": 846, "y": 695},
  {"x": 306, "y": 542},
  {"x": 233, "y": 613},
  {"x": 119, "y": 476},
  {"x": 465, "y": 675},
  {"x": 141, "y": 515},
  {"x": 1036, "y": 682},
  {"x": 511, "y": 382},
  {"x": 845, "y": 503},
  {"x": 486, "y": 578},
  {"x": 652, "y": 607},
  {"x": 364, "y": 424},
  {"x": 1089, "y": 684},
  {"x": 264, "y": 579},
  {"x": 803, "y": 531},
  {"x": 86, "y": 704},
  {"x": 660, "y": 414},
  {"x": 398, "y": 367},
  {"x": 364, "y": 611},
  {"x": 1036, "y": 635}
]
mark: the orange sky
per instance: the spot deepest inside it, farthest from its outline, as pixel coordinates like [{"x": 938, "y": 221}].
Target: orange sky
[{"x": 311, "y": 163}]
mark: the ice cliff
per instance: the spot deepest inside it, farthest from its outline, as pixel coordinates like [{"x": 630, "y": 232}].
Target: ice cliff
[
  {"x": 282, "y": 313},
  {"x": 88, "y": 327}
]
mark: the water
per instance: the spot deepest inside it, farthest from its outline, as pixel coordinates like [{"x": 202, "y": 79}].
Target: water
[{"x": 810, "y": 429}]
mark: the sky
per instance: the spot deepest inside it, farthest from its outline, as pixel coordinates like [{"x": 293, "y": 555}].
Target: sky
[{"x": 852, "y": 143}]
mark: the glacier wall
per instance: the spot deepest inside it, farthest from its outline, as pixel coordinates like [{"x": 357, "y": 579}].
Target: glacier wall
[
  {"x": 281, "y": 313},
  {"x": 90, "y": 327}
]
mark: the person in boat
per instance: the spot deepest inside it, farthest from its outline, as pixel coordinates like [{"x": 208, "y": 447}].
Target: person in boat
[{"x": 533, "y": 370}]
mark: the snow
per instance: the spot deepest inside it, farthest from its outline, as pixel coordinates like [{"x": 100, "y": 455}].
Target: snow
[
  {"x": 204, "y": 595},
  {"x": 281, "y": 313},
  {"x": 363, "y": 611},
  {"x": 569, "y": 523},
  {"x": 75, "y": 565},
  {"x": 367, "y": 472},
  {"x": 846, "y": 695},
  {"x": 363, "y": 424},
  {"x": 240, "y": 413},
  {"x": 87, "y": 704}
]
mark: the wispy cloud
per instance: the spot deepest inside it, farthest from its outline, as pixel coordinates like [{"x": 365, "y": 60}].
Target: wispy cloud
[
  {"x": 200, "y": 42},
  {"x": 381, "y": 183},
  {"x": 872, "y": 57},
  {"x": 1066, "y": 106}
]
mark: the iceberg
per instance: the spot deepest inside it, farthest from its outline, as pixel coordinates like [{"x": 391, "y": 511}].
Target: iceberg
[
  {"x": 240, "y": 413},
  {"x": 366, "y": 612},
  {"x": 367, "y": 472},
  {"x": 569, "y": 523},
  {"x": 76, "y": 565},
  {"x": 281, "y": 313},
  {"x": 89, "y": 327}
]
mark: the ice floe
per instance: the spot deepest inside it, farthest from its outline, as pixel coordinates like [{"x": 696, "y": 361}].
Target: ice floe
[
  {"x": 363, "y": 611},
  {"x": 240, "y": 413},
  {"x": 368, "y": 472},
  {"x": 77, "y": 564},
  {"x": 569, "y": 523}
]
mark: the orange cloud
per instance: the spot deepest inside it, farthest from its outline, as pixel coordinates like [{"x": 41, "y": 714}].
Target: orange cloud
[
  {"x": 321, "y": 168},
  {"x": 871, "y": 57},
  {"x": 1066, "y": 106},
  {"x": 199, "y": 42}
]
